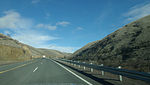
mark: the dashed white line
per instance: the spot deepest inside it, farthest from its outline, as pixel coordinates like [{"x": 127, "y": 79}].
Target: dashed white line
[
  {"x": 35, "y": 69},
  {"x": 73, "y": 73}
]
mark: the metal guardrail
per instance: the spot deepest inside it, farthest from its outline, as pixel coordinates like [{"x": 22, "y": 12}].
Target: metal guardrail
[{"x": 122, "y": 72}]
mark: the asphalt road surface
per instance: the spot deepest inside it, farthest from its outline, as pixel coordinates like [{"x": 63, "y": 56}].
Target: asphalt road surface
[{"x": 41, "y": 72}]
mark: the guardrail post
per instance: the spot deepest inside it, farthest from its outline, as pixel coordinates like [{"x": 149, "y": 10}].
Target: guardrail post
[
  {"x": 120, "y": 76},
  {"x": 79, "y": 64},
  {"x": 74, "y": 63},
  {"x": 70, "y": 62},
  {"x": 91, "y": 68},
  {"x": 84, "y": 66},
  {"x": 102, "y": 70}
]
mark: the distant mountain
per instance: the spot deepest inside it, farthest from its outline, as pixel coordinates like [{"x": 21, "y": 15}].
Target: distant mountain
[
  {"x": 52, "y": 53},
  {"x": 11, "y": 49},
  {"x": 129, "y": 47}
]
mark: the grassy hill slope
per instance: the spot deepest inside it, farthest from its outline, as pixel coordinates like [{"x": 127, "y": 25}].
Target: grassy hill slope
[{"x": 129, "y": 47}]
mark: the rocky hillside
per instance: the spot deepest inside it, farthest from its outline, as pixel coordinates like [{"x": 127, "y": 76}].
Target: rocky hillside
[
  {"x": 129, "y": 47},
  {"x": 13, "y": 50}
]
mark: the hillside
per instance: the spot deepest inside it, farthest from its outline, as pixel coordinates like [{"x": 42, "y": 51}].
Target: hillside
[
  {"x": 129, "y": 47},
  {"x": 83, "y": 48},
  {"x": 52, "y": 53},
  {"x": 12, "y": 50}
]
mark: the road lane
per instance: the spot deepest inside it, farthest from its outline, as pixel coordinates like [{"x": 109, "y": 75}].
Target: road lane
[
  {"x": 35, "y": 69},
  {"x": 17, "y": 76},
  {"x": 51, "y": 73},
  {"x": 74, "y": 73},
  {"x": 46, "y": 73},
  {"x": 10, "y": 66}
]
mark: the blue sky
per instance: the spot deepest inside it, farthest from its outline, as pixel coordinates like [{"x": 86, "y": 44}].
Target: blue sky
[{"x": 67, "y": 25}]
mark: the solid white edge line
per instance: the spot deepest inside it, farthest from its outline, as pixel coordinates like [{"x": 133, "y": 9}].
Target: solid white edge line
[
  {"x": 73, "y": 73},
  {"x": 35, "y": 69}
]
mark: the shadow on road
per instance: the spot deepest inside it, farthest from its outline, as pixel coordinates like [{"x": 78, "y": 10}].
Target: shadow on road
[{"x": 100, "y": 80}]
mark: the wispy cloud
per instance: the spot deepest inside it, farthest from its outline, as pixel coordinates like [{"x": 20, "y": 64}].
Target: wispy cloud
[
  {"x": 21, "y": 28},
  {"x": 32, "y": 37},
  {"x": 63, "y": 48},
  {"x": 63, "y": 23},
  {"x": 13, "y": 20},
  {"x": 35, "y": 1},
  {"x": 68, "y": 49},
  {"x": 46, "y": 26},
  {"x": 104, "y": 14},
  {"x": 52, "y": 27},
  {"x": 79, "y": 28},
  {"x": 47, "y": 15},
  {"x": 138, "y": 11}
]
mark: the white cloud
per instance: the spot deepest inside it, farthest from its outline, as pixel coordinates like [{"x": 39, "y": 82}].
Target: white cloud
[
  {"x": 32, "y": 37},
  {"x": 138, "y": 11},
  {"x": 38, "y": 40},
  {"x": 52, "y": 27},
  {"x": 40, "y": 25},
  {"x": 13, "y": 20},
  {"x": 63, "y": 23},
  {"x": 79, "y": 28},
  {"x": 22, "y": 30},
  {"x": 46, "y": 26},
  {"x": 35, "y": 1},
  {"x": 63, "y": 48},
  {"x": 67, "y": 49}
]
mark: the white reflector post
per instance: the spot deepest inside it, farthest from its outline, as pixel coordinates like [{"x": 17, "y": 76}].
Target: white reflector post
[{"x": 120, "y": 76}]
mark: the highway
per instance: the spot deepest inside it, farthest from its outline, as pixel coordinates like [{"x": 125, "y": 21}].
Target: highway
[{"x": 41, "y": 72}]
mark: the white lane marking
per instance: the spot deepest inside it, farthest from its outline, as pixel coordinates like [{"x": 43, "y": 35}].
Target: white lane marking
[
  {"x": 35, "y": 69},
  {"x": 73, "y": 73}
]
